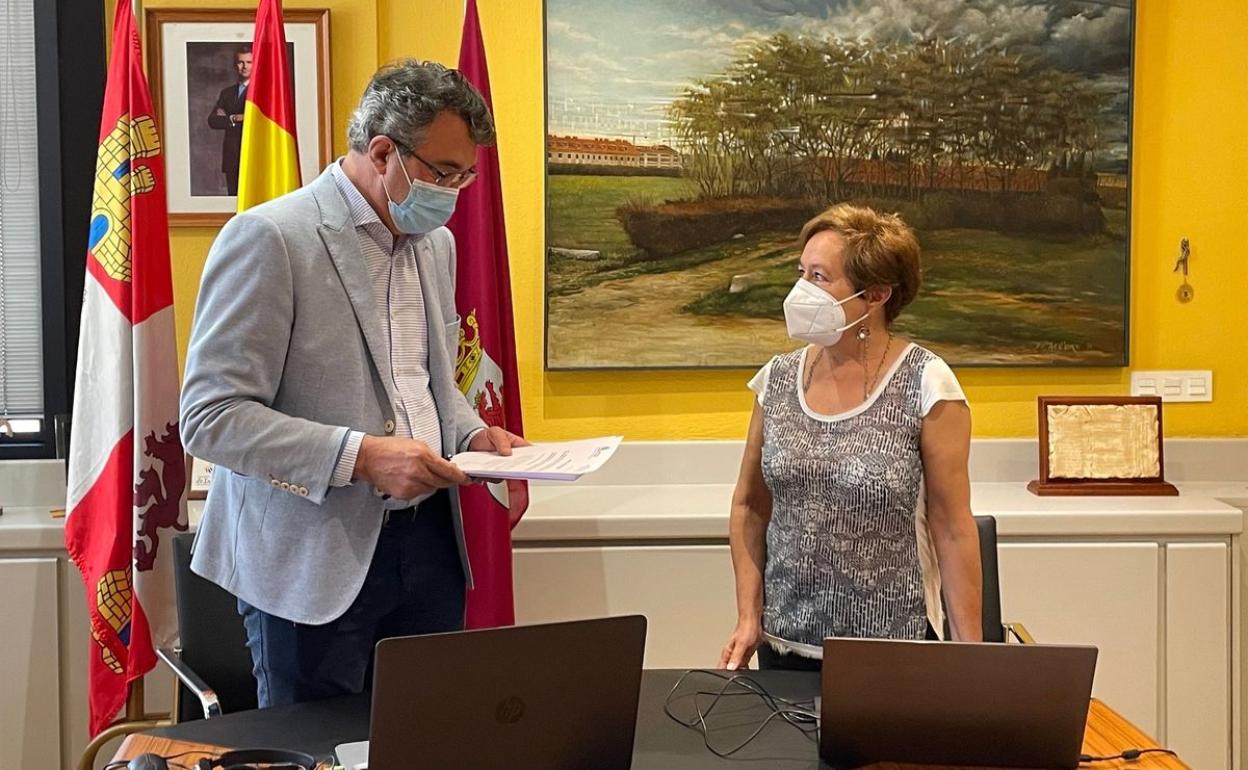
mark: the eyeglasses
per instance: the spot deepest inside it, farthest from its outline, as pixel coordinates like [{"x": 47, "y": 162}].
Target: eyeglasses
[{"x": 454, "y": 179}]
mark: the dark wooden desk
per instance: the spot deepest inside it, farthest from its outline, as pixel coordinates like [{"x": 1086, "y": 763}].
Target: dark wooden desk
[{"x": 661, "y": 743}]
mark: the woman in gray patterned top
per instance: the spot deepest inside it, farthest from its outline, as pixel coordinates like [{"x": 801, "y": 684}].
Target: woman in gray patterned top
[{"x": 852, "y": 512}]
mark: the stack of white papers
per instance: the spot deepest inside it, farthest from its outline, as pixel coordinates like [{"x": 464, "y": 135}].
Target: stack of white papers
[{"x": 564, "y": 461}]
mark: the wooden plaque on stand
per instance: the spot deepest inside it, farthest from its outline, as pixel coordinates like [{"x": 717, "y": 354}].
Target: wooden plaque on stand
[{"x": 1101, "y": 445}]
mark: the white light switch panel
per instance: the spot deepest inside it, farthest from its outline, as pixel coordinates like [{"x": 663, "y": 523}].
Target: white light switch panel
[{"x": 1174, "y": 386}]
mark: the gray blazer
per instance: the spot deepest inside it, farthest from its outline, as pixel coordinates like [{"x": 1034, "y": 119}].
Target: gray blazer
[{"x": 287, "y": 353}]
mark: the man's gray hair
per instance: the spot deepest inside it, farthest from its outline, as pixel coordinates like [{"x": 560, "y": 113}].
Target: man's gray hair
[{"x": 405, "y": 96}]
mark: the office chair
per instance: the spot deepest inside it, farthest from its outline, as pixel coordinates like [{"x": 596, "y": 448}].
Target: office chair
[
  {"x": 213, "y": 645},
  {"x": 994, "y": 629}
]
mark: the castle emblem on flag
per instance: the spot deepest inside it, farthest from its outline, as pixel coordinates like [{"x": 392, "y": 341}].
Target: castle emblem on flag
[
  {"x": 113, "y": 599},
  {"x": 468, "y": 357},
  {"x": 477, "y": 375},
  {"x": 116, "y": 179}
]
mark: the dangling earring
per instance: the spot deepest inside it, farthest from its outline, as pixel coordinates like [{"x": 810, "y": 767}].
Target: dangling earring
[{"x": 863, "y": 333}]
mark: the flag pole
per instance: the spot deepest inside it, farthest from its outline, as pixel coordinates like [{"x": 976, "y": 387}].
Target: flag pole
[{"x": 134, "y": 721}]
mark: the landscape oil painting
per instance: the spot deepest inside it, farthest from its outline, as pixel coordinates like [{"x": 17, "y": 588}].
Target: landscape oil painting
[{"x": 687, "y": 142}]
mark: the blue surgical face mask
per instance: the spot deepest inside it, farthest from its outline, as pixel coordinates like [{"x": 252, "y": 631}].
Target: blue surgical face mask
[{"x": 426, "y": 207}]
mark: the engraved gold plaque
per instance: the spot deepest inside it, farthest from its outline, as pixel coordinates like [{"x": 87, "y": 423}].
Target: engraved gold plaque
[{"x": 1101, "y": 446}]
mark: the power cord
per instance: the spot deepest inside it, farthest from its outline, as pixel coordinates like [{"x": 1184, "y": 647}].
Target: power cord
[
  {"x": 1128, "y": 754},
  {"x": 120, "y": 764},
  {"x": 797, "y": 713}
]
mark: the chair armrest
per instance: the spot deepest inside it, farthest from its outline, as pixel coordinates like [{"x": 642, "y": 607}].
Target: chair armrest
[
  {"x": 1019, "y": 632},
  {"x": 185, "y": 674}
]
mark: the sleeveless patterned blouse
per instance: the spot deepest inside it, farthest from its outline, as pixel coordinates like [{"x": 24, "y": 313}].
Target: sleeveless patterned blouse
[{"x": 848, "y": 549}]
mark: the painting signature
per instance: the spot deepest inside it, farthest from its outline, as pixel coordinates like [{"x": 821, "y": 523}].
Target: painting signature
[{"x": 1059, "y": 347}]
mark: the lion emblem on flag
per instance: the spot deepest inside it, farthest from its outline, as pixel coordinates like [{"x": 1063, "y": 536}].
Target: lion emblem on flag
[{"x": 161, "y": 493}]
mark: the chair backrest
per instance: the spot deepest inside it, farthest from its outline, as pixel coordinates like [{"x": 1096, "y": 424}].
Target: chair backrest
[
  {"x": 994, "y": 631},
  {"x": 214, "y": 643}
]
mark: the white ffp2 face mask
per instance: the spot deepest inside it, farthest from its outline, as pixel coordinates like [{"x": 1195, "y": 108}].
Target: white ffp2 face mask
[{"x": 812, "y": 315}]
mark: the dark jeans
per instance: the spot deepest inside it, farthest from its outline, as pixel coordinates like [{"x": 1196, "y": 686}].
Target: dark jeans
[
  {"x": 768, "y": 658},
  {"x": 415, "y": 585}
]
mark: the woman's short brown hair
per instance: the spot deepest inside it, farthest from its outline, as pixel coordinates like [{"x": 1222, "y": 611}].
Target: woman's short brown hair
[{"x": 880, "y": 250}]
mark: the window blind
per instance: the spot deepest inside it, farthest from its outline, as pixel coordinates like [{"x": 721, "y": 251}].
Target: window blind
[{"x": 21, "y": 328}]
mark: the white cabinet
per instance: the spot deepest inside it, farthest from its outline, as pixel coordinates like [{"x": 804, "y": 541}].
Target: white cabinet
[
  {"x": 1198, "y": 653},
  {"x": 1103, "y": 594},
  {"x": 686, "y": 592},
  {"x": 1160, "y": 614},
  {"x": 29, "y": 668},
  {"x": 43, "y": 665}
]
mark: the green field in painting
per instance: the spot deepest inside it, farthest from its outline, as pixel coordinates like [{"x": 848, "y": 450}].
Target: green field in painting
[{"x": 987, "y": 297}]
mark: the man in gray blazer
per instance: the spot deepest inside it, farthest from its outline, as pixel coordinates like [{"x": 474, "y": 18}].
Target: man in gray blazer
[{"x": 319, "y": 380}]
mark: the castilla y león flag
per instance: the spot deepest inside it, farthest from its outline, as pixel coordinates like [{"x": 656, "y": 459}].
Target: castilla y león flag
[
  {"x": 486, "y": 366},
  {"x": 127, "y": 470}
]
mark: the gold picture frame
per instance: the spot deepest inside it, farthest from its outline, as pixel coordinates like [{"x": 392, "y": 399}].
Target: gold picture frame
[{"x": 1101, "y": 445}]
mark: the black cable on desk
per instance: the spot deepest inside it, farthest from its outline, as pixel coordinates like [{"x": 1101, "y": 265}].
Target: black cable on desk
[
  {"x": 793, "y": 712},
  {"x": 1128, "y": 754}
]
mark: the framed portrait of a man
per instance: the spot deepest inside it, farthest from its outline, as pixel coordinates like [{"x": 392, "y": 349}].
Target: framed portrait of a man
[{"x": 199, "y": 65}]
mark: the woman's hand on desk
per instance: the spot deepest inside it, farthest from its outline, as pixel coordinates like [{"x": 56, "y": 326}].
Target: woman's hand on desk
[{"x": 741, "y": 645}]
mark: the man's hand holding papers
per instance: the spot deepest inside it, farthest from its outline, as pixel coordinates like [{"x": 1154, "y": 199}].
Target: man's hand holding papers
[{"x": 563, "y": 461}]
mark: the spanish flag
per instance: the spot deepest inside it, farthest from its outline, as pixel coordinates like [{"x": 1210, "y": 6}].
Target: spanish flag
[{"x": 269, "y": 163}]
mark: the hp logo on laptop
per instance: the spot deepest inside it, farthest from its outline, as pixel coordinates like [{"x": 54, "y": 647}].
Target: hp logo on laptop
[{"x": 509, "y": 710}]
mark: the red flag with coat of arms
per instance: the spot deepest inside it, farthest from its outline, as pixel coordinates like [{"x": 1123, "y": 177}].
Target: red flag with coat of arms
[
  {"x": 486, "y": 364},
  {"x": 127, "y": 470}
]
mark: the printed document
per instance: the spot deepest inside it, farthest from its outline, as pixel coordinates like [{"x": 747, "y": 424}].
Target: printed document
[{"x": 561, "y": 461}]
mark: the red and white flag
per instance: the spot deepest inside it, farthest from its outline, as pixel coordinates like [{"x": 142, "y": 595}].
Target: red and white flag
[
  {"x": 486, "y": 365},
  {"x": 127, "y": 470}
]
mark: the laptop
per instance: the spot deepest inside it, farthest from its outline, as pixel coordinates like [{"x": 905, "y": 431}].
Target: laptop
[
  {"x": 558, "y": 695},
  {"x": 948, "y": 703}
]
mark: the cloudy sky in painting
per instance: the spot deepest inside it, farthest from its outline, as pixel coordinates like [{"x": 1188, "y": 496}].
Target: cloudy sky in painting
[{"x": 614, "y": 65}]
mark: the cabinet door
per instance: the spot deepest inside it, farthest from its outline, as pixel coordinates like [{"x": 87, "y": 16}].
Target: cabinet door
[
  {"x": 76, "y": 650},
  {"x": 1104, "y": 594},
  {"x": 686, "y": 593},
  {"x": 1198, "y": 653},
  {"x": 30, "y": 736}
]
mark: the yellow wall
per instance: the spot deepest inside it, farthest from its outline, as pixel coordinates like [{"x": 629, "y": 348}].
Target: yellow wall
[{"x": 1190, "y": 164}]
